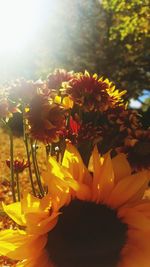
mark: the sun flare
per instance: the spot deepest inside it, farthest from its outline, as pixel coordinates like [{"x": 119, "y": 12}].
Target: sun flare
[{"x": 19, "y": 21}]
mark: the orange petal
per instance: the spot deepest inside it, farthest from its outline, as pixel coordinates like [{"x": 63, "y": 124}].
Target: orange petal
[
  {"x": 121, "y": 167},
  {"x": 103, "y": 177},
  {"x": 43, "y": 226},
  {"x": 127, "y": 188},
  {"x": 136, "y": 219}
]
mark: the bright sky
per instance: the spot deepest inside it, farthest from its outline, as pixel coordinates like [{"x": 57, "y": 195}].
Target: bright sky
[{"x": 135, "y": 103}]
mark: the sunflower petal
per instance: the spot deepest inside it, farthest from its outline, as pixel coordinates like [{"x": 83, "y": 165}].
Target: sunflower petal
[
  {"x": 42, "y": 261},
  {"x": 121, "y": 167},
  {"x": 135, "y": 218},
  {"x": 15, "y": 213},
  {"x": 127, "y": 188},
  {"x": 136, "y": 251},
  {"x": 103, "y": 176},
  {"x": 43, "y": 226},
  {"x": 73, "y": 162},
  {"x": 58, "y": 179},
  {"x": 18, "y": 245}
]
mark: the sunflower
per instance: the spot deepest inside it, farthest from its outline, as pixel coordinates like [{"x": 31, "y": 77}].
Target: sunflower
[{"x": 90, "y": 218}]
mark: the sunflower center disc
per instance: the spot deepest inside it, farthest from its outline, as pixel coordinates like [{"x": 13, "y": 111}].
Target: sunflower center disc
[{"x": 86, "y": 235}]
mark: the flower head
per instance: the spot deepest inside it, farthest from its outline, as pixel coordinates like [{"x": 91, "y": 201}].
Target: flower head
[
  {"x": 56, "y": 78},
  {"x": 46, "y": 120},
  {"x": 93, "y": 93},
  {"x": 7, "y": 108},
  {"x": 22, "y": 90}
]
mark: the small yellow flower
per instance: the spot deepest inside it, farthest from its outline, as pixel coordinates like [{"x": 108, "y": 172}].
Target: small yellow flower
[{"x": 66, "y": 101}]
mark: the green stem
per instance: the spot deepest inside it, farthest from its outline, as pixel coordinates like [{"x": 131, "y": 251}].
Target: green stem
[
  {"x": 18, "y": 186},
  {"x": 35, "y": 170},
  {"x": 11, "y": 159},
  {"x": 29, "y": 161},
  {"x": 11, "y": 165},
  {"x": 36, "y": 162},
  {"x": 25, "y": 137}
]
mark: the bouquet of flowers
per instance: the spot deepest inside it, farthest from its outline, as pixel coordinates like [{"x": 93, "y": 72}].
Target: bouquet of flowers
[{"x": 87, "y": 208}]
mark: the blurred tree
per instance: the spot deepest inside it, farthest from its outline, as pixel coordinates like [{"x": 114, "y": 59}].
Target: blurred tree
[
  {"x": 129, "y": 18},
  {"x": 129, "y": 33},
  {"x": 75, "y": 37}
]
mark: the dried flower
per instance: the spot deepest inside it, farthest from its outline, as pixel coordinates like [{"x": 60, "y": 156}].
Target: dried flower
[{"x": 18, "y": 165}]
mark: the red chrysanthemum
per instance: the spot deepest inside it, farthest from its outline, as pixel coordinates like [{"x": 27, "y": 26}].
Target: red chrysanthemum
[
  {"x": 93, "y": 93},
  {"x": 23, "y": 90},
  {"x": 46, "y": 120},
  {"x": 56, "y": 78},
  {"x": 7, "y": 108}
]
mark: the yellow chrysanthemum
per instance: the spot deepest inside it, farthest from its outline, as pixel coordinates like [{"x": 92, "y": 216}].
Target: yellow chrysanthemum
[{"x": 96, "y": 206}]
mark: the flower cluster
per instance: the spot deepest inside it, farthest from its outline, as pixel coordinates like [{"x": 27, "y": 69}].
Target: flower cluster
[
  {"x": 97, "y": 170},
  {"x": 93, "y": 93}
]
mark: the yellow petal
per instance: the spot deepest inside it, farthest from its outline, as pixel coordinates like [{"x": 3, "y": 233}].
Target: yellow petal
[
  {"x": 121, "y": 167},
  {"x": 16, "y": 244},
  {"x": 60, "y": 172},
  {"x": 67, "y": 102},
  {"x": 57, "y": 99},
  {"x": 127, "y": 188},
  {"x": 29, "y": 203},
  {"x": 15, "y": 213},
  {"x": 73, "y": 162},
  {"x": 103, "y": 177}
]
